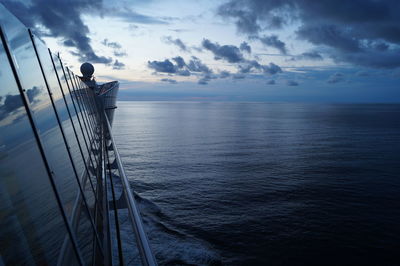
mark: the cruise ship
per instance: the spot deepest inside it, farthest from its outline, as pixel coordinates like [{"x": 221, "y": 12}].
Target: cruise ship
[{"x": 64, "y": 194}]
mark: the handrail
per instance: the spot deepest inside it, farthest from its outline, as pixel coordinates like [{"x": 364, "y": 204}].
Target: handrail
[
  {"x": 141, "y": 237},
  {"x": 111, "y": 87}
]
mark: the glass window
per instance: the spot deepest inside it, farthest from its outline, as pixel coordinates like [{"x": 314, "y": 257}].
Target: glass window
[
  {"x": 62, "y": 111},
  {"x": 73, "y": 111},
  {"x": 32, "y": 230},
  {"x": 77, "y": 98},
  {"x": 77, "y": 118},
  {"x": 46, "y": 123}
]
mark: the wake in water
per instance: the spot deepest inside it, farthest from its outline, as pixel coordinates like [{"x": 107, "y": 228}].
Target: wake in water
[{"x": 170, "y": 244}]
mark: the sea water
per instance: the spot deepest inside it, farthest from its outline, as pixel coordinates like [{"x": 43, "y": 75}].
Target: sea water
[{"x": 265, "y": 183}]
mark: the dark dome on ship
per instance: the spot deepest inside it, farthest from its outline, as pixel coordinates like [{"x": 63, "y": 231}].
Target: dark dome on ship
[{"x": 87, "y": 69}]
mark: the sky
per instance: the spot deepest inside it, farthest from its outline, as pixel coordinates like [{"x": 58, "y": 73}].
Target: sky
[{"x": 234, "y": 50}]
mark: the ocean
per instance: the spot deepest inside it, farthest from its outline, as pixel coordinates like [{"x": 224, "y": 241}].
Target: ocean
[{"x": 223, "y": 183}]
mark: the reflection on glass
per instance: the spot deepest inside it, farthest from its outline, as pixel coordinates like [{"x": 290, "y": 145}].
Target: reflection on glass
[
  {"x": 88, "y": 132},
  {"x": 32, "y": 228},
  {"x": 81, "y": 130},
  {"x": 62, "y": 111},
  {"x": 46, "y": 122}
]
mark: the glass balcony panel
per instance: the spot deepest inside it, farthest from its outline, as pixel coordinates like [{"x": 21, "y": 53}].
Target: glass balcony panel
[
  {"x": 65, "y": 120},
  {"x": 33, "y": 231},
  {"x": 46, "y": 123}
]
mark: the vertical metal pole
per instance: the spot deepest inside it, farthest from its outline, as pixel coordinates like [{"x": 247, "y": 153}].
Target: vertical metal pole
[{"x": 116, "y": 220}]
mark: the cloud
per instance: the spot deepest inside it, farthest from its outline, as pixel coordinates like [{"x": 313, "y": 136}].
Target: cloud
[
  {"x": 182, "y": 68},
  {"x": 13, "y": 102},
  {"x": 114, "y": 45},
  {"x": 202, "y": 81},
  {"x": 126, "y": 14},
  {"x": 33, "y": 93},
  {"x": 292, "y": 83},
  {"x": 248, "y": 66},
  {"x": 311, "y": 56},
  {"x": 273, "y": 41},
  {"x": 362, "y": 74},
  {"x": 335, "y": 78},
  {"x": 224, "y": 74},
  {"x": 360, "y": 32},
  {"x": 171, "y": 81},
  {"x": 165, "y": 66},
  {"x": 63, "y": 20},
  {"x": 271, "y": 82},
  {"x": 229, "y": 53},
  {"x": 118, "y": 65},
  {"x": 271, "y": 69},
  {"x": 178, "y": 42},
  {"x": 195, "y": 65},
  {"x": 120, "y": 53},
  {"x": 180, "y": 62},
  {"x": 244, "y": 46},
  {"x": 239, "y": 76},
  {"x": 206, "y": 78},
  {"x": 330, "y": 35}
]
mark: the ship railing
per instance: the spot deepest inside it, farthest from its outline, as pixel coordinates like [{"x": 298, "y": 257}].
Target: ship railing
[{"x": 143, "y": 246}]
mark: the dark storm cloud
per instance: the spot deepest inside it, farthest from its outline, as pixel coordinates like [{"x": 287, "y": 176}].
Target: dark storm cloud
[
  {"x": 118, "y": 65},
  {"x": 170, "y": 81},
  {"x": 335, "y": 78},
  {"x": 244, "y": 46},
  {"x": 292, "y": 83},
  {"x": 362, "y": 32},
  {"x": 273, "y": 41},
  {"x": 229, "y": 53},
  {"x": 178, "y": 42}
]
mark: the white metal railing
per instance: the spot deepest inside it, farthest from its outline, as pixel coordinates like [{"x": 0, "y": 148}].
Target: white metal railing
[{"x": 146, "y": 253}]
